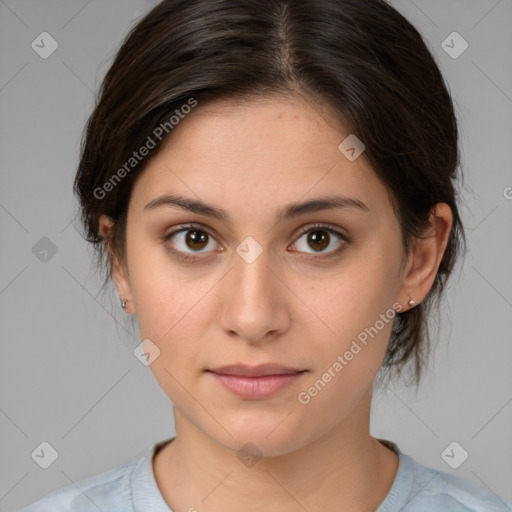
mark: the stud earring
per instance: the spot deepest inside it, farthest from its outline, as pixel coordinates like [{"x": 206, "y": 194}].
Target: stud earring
[
  {"x": 123, "y": 302},
  {"x": 411, "y": 303}
]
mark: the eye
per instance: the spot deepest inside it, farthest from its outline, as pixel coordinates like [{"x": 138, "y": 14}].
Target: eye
[
  {"x": 320, "y": 237},
  {"x": 193, "y": 237}
]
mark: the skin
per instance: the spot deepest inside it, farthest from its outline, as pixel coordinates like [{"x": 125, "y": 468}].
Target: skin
[{"x": 286, "y": 307}]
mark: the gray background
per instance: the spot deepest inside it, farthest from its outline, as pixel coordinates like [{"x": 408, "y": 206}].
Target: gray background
[{"x": 68, "y": 373}]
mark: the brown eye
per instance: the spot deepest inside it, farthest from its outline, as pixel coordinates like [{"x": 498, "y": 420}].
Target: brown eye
[
  {"x": 192, "y": 240},
  {"x": 189, "y": 240},
  {"x": 319, "y": 238},
  {"x": 195, "y": 239}
]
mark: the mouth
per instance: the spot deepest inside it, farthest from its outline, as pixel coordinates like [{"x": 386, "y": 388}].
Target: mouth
[
  {"x": 261, "y": 370},
  {"x": 256, "y": 382}
]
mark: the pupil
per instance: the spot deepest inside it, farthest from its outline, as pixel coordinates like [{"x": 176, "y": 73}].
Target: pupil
[{"x": 322, "y": 240}]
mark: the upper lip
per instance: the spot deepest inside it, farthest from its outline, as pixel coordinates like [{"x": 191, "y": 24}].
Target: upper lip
[{"x": 255, "y": 371}]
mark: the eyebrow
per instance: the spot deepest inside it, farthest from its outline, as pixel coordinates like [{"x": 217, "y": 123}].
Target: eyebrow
[{"x": 290, "y": 211}]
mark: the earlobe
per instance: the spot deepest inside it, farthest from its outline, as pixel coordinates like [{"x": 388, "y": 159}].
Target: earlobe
[
  {"x": 119, "y": 272},
  {"x": 426, "y": 256}
]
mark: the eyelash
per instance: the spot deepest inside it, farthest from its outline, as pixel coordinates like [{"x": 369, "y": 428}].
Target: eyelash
[{"x": 316, "y": 227}]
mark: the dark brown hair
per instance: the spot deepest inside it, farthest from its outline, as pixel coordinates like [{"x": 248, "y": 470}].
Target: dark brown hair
[{"x": 361, "y": 57}]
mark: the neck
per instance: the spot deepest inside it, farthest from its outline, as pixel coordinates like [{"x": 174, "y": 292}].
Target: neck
[{"x": 345, "y": 469}]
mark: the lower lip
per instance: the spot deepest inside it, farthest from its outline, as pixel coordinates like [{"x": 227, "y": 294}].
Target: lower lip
[{"x": 254, "y": 388}]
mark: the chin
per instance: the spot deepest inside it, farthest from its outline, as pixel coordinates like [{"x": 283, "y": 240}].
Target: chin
[{"x": 262, "y": 438}]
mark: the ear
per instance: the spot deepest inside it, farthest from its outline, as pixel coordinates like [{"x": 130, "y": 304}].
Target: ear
[
  {"x": 119, "y": 270},
  {"x": 426, "y": 256}
]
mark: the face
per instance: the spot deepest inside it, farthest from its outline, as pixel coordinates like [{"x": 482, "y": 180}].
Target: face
[{"x": 311, "y": 289}]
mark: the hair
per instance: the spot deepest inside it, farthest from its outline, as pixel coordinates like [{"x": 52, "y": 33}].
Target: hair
[{"x": 360, "y": 57}]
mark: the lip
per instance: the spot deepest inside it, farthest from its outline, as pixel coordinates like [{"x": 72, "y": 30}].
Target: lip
[
  {"x": 261, "y": 370},
  {"x": 257, "y": 382}
]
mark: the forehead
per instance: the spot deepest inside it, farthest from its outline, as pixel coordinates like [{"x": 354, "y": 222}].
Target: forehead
[
  {"x": 259, "y": 125},
  {"x": 268, "y": 150}
]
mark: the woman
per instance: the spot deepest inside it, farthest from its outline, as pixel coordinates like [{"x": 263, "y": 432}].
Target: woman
[{"x": 271, "y": 186}]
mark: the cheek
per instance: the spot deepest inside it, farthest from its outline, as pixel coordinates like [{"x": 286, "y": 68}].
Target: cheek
[
  {"x": 173, "y": 311},
  {"x": 357, "y": 315},
  {"x": 166, "y": 294},
  {"x": 347, "y": 363},
  {"x": 355, "y": 296}
]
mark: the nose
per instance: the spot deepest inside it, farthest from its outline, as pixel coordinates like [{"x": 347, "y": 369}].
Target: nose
[{"x": 253, "y": 301}]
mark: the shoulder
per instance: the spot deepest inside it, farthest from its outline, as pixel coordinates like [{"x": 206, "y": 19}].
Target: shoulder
[
  {"x": 433, "y": 490},
  {"x": 109, "y": 490}
]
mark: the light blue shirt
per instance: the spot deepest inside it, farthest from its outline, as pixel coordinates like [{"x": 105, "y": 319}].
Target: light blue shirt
[{"x": 132, "y": 487}]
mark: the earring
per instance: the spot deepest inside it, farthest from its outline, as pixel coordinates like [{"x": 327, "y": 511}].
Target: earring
[
  {"x": 411, "y": 303},
  {"x": 123, "y": 302}
]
